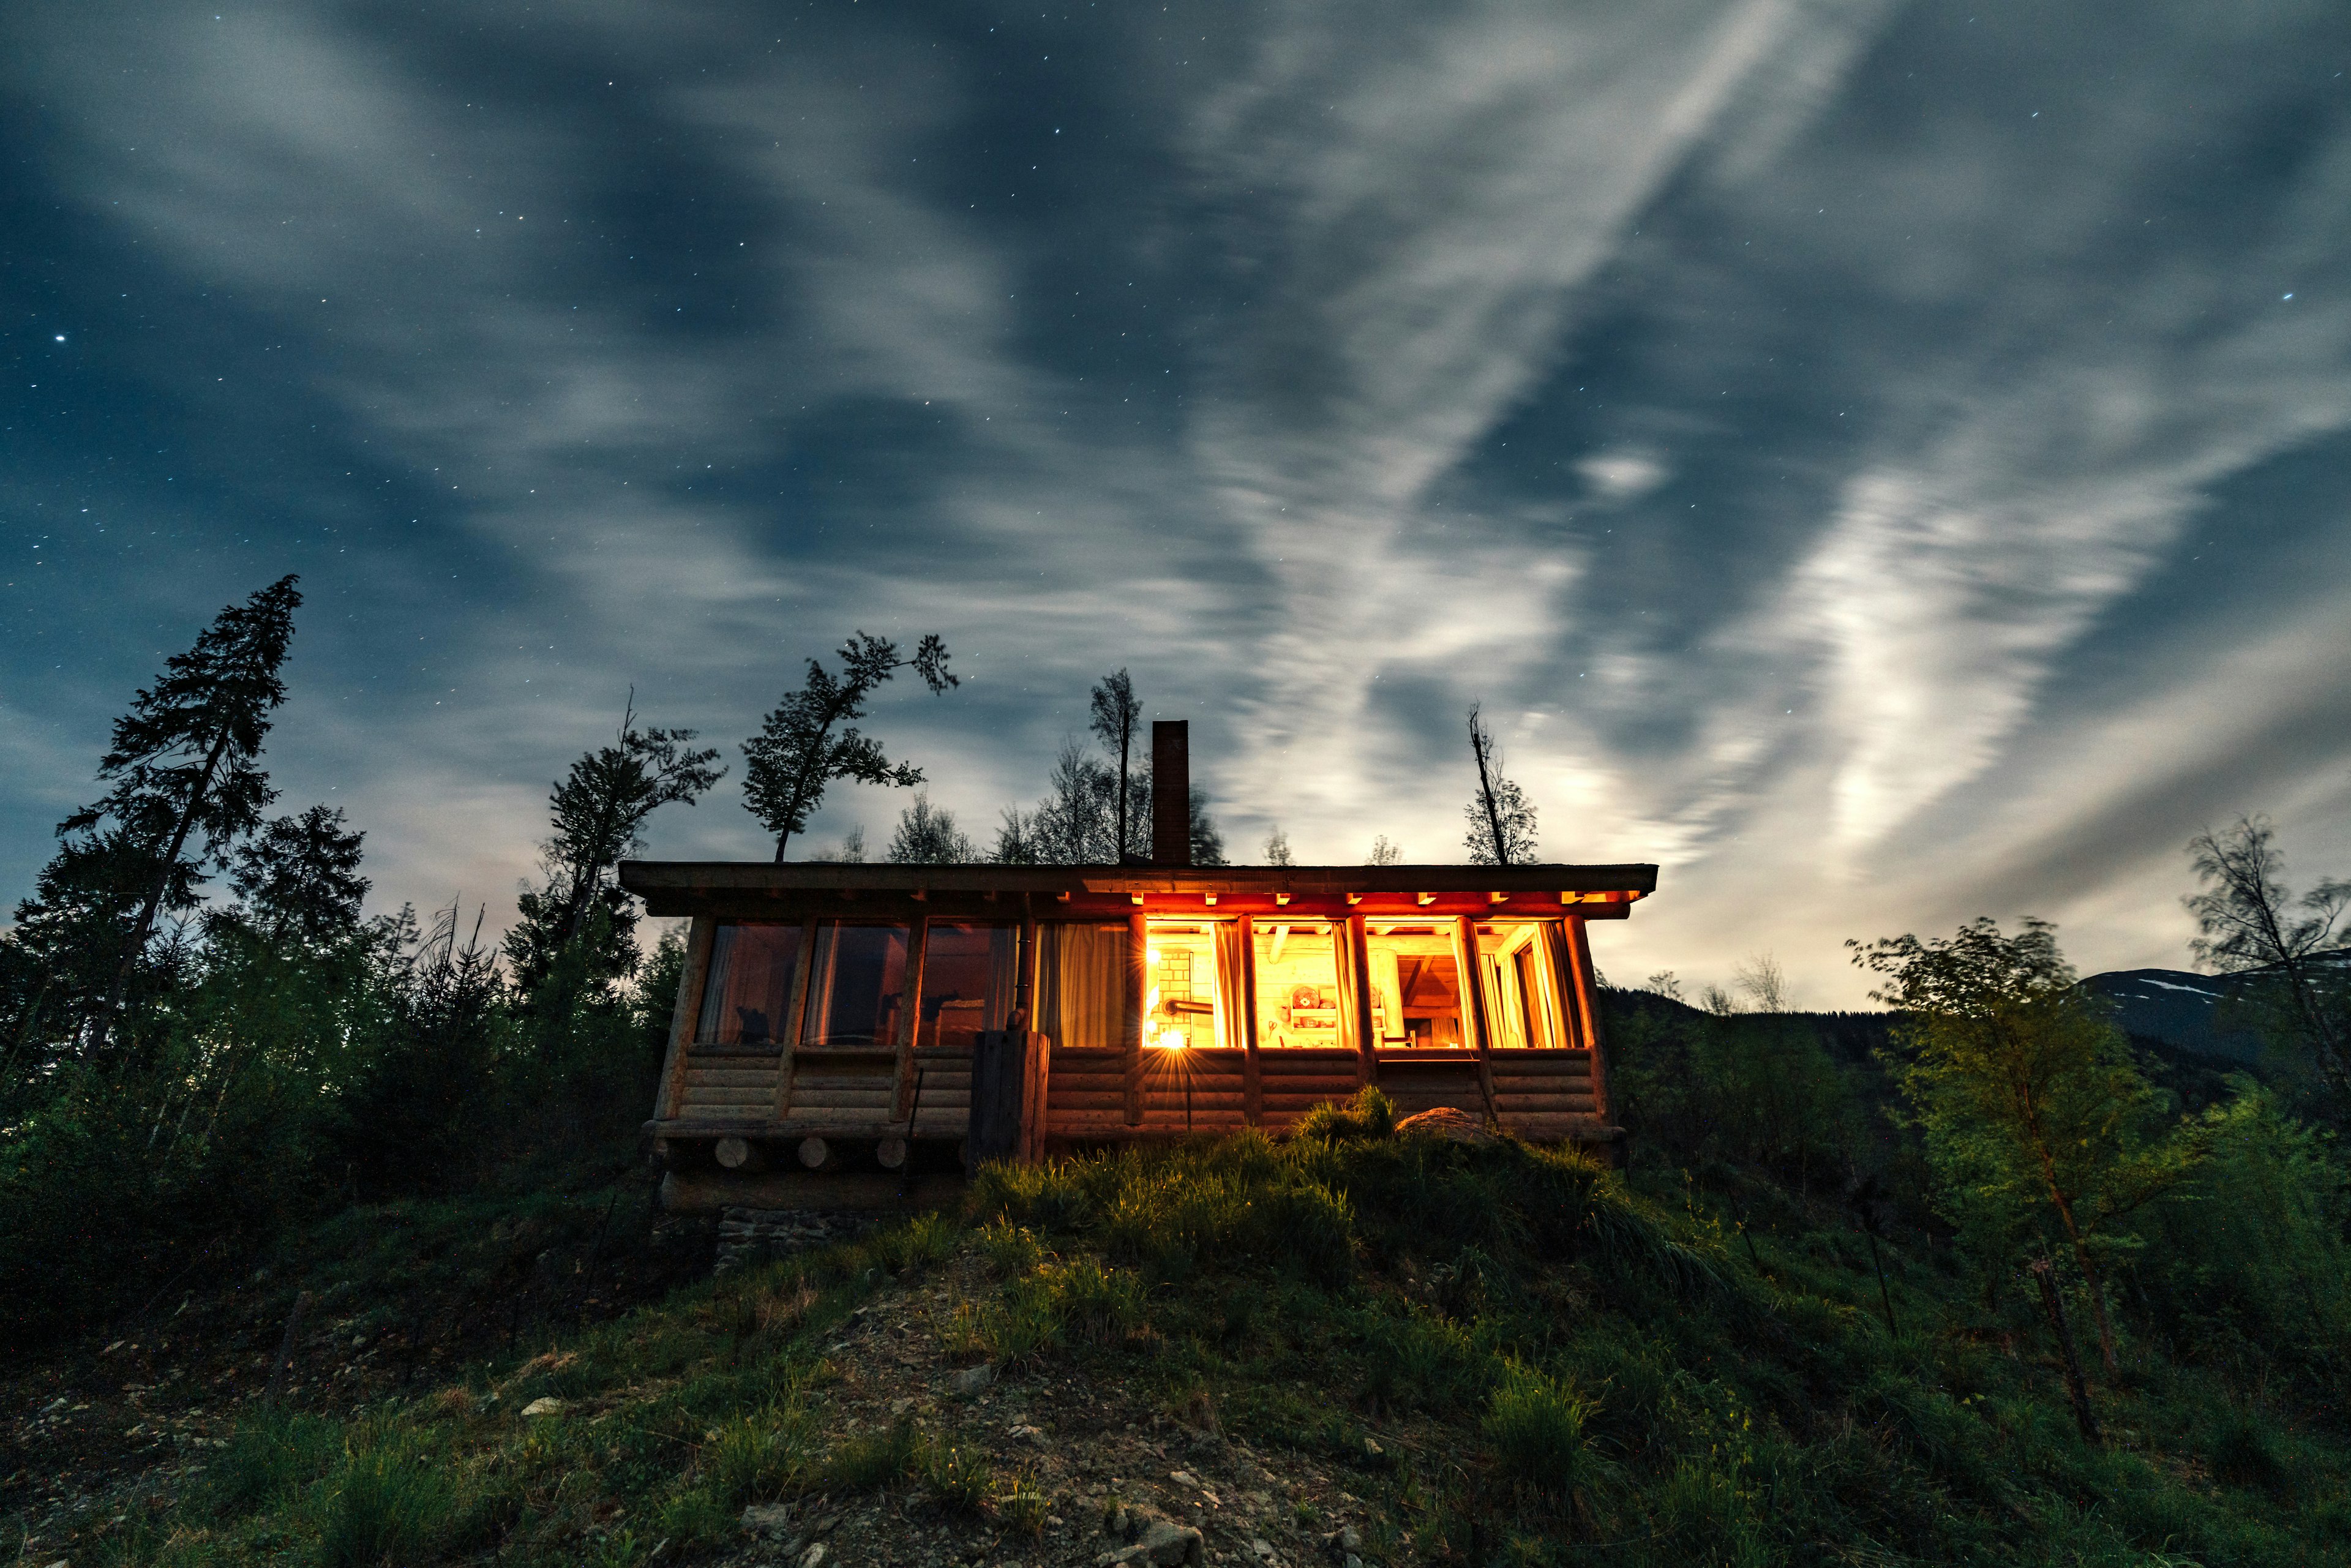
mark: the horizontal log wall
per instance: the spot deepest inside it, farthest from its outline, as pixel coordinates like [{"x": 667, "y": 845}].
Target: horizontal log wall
[{"x": 734, "y": 1086}]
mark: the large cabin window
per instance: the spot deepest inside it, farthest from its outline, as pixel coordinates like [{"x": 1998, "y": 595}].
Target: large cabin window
[
  {"x": 1188, "y": 995},
  {"x": 970, "y": 973},
  {"x": 1522, "y": 985},
  {"x": 857, "y": 985},
  {"x": 1415, "y": 986},
  {"x": 1297, "y": 965},
  {"x": 1082, "y": 986},
  {"x": 750, "y": 985}
]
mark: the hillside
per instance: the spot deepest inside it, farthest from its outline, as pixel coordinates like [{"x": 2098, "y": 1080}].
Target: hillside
[{"x": 1401, "y": 1350}]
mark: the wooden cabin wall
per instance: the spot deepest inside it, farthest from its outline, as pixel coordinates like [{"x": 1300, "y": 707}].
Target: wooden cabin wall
[{"x": 1096, "y": 1095}]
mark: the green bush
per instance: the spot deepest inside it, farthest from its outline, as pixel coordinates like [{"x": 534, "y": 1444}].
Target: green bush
[
  {"x": 270, "y": 1456},
  {"x": 1536, "y": 1426},
  {"x": 1369, "y": 1114},
  {"x": 758, "y": 1455},
  {"x": 388, "y": 1503}
]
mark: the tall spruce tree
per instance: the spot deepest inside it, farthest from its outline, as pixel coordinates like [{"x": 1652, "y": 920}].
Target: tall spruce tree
[
  {"x": 797, "y": 752},
  {"x": 186, "y": 764},
  {"x": 299, "y": 878}
]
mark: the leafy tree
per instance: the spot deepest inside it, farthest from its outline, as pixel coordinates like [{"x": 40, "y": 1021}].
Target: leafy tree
[
  {"x": 1765, "y": 983},
  {"x": 298, "y": 879},
  {"x": 597, "y": 814},
  {"x": 1015, "y": 840},
  {"x": 1077, "y": 822},
  {"x": 2024, "y": 1091},
  {"x": 185, "y": 765},
  {"x": 1115, "y": 714},
  {"x": 1208, "y": 843},
  {"x": 927, "y": 835},
  {"x": 1501, "y": 821},
  {"x": 599, "y": 810},
  {"x": 1382, "y": 853},
  {"x": 2256, "y": 1253},
  {"x": 851, "y": 850},
  {"x": 2247, "y": 921},
  {"x": 796, "y": 752},
  {"x": 1276, "y": 849}
]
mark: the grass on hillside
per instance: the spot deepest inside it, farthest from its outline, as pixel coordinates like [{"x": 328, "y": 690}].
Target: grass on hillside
[{"x": 1549, "y": 1367}]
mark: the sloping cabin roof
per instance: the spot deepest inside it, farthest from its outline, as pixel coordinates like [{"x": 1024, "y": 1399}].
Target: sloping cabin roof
[{"x": 745, "y": 888}]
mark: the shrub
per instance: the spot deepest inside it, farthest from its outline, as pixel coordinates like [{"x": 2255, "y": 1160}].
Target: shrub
[
  {"x": 1536, "y": 1425},
  {"x": 2242, "y": 1449},
  {"x": 1370, "y": 1114},
  {"x": 871, "y": 1460},
  {"x": 758, "y": 1455},
  {"x": 917, "y": 1243},
  {"x": 389, "y": 1504},
  {"x": 270, "y": 1456}
]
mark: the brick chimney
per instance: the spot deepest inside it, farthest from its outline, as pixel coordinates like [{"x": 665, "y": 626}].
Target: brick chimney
[{"x": 1171, "y": 792}]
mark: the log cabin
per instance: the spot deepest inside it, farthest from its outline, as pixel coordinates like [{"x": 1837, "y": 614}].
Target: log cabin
[{"x": 844, "y": 1016}]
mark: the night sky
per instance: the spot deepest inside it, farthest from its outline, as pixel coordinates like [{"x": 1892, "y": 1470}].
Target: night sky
[{"x": 1884, "y": 463}]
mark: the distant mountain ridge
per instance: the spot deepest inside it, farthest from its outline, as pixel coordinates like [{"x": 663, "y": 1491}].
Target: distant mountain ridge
[
  {"x": 2183, "y": 1009},
  {"x": 2177, "y": 1007}
]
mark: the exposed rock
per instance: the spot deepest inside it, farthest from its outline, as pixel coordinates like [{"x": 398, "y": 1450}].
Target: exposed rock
[
  {"x": 972, "y": 1380},
  {"x": 543, "y": 1406},
  {"x": 747, "y": 1235},
  {"x": 814, "y": 1556},
  {"x": 1161, "y": 1542},
  {"x": 767, "y": 1518},
  {"x": 1445, "y": 1122}
]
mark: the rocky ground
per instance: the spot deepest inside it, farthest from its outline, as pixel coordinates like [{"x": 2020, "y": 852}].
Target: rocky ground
[
  {"x": 1106, "y": 1474},
  {"x": 1117, "y": 1479}
]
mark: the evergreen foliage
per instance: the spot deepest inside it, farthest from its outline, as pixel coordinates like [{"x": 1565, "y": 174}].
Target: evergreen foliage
[{"x": 184, "y": 762}]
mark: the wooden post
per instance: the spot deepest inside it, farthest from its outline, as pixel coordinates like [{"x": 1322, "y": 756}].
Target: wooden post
[
  {"x": 1587, "y": 1009},
  {"x": 794, "y": 1010},
  {"x": 909, "y": 1016},
  {"x": 1355, "y": 994},
  {"x": 1024, "y": 970},
  {"x": 686, "y": 1014},
  {"x": 1471, "y": 968},
  {"x": 1138, "y": 987},
  {"x": 1252, "y": 1079},
  {"x": 999, "y": 1086},
  {"x": 1034, "y": 1076}
]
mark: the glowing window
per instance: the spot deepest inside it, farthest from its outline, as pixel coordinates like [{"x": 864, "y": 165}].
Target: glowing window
[
  {"x": 1297, "y": 965},
  {"x": 857, "y": 985},
  {"x": 1187, "y": 1001},
  {"x": 1416, "y": 988},
  {"x": 1522, "y": 985},
  {"x": 968, "y": 976},
  {"x": 750, "y": 985}
]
